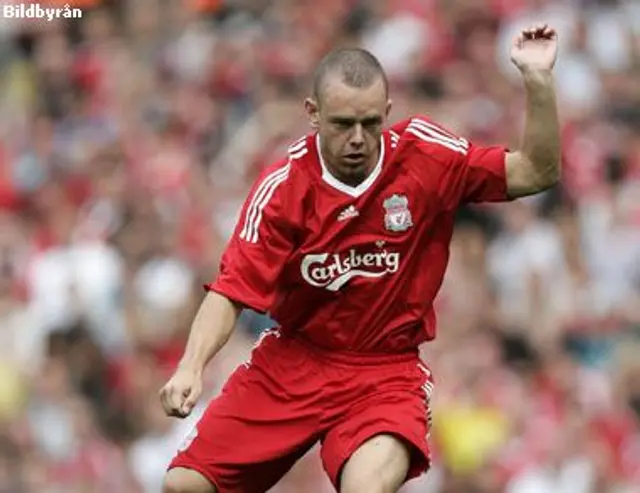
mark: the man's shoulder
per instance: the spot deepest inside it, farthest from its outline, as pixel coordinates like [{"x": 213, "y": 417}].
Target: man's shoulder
[
  {"x": 422, "y": 135},
  {"x": 286, "y": 180},
  {"x": 295, "y": 158},
  {"x": 417, "y": 119}
]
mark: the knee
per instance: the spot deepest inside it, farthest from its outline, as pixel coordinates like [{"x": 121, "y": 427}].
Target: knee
[{"x": 181, "y": 480}]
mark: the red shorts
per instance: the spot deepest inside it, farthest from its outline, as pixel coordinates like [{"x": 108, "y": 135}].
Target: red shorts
[{"x": 290, "y": 396}]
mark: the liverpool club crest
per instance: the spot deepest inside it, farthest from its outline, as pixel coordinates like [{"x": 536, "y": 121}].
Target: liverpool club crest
[{"x": 397, "y": 214}]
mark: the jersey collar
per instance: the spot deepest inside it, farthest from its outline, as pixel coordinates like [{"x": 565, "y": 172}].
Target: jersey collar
[{"x": 349, "y": 190}]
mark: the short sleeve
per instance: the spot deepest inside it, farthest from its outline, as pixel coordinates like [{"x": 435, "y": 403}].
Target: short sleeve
[
  {"x": 467, "y": 172},
  {"x": 483, "y": 174},
  {"x": 261, "y": 243}
]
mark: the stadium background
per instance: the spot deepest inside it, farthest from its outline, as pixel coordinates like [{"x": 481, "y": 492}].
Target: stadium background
[{"x": 128, "y": 140}]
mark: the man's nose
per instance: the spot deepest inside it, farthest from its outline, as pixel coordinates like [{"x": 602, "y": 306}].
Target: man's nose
[{"x": 357, "y": 138}]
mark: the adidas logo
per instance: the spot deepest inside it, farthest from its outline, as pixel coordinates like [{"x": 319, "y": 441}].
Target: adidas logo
[{"x": 348, "y": 213}]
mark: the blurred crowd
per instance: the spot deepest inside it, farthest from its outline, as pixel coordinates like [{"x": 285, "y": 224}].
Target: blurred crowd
[{"x": 128, "y": 141}]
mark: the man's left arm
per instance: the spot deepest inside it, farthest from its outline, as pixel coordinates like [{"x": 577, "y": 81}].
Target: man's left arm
[
  {"x": 536, "y": 165},
  {"x": 495, "y": 174}
]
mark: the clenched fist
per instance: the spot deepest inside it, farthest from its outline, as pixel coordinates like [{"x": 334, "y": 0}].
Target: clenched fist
[
  {"x": 535, "y": 49},
  {"x": 180, "y": 394}
]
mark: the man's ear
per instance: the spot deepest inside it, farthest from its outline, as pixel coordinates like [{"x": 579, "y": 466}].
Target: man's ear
[
  {"x": 388, "y": 109},
  {"x": 313, "y": 112}
]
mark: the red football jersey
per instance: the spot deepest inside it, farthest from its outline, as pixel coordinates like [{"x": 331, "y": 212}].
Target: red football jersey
[{"x": 357, "y": 268}]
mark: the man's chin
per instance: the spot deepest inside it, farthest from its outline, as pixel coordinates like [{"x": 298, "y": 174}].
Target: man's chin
[
  {"x": 352, "y": 173},
  {"x": 355, "y": 165}
]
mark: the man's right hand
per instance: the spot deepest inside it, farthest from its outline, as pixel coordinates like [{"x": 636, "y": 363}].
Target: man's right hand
[{"x": 180, "y": 394}]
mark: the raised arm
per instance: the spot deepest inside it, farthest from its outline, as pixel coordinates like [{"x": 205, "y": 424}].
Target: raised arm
[{"x": 536, "y": 165}]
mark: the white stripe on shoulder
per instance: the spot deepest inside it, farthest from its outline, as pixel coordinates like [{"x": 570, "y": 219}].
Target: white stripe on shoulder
[
  {"x": 438, "y": 133},
  {"x": 299, "y": 154},
  {"x": 259, "y": 200},
  {"x": 439, "y": 130},
  {"x": 437, "y": 141},
  {"x": 298, "y": 145},
  {"x": 434, "y": 135},
  {"x": 256, "y": 225},
  {"x": 394, "y": 135}
]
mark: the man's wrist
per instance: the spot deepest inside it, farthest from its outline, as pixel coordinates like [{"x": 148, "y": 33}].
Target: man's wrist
[
  {"x": 191, "y": 366},
  {"x": 537, "y": 77}
]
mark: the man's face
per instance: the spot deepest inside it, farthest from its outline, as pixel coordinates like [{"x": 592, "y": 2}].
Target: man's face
[{"x": 350, "y": 121}]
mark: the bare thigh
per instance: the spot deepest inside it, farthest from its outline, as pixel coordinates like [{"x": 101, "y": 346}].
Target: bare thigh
[
  {"x": 182, "y": 480},
  {"x": 379, "y": 465}
]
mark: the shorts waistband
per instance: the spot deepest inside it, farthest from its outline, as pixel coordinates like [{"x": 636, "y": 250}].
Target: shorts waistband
[{"x": 353, "y": 358}]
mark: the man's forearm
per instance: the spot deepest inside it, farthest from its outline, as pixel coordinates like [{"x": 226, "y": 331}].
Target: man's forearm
[
  {"x": 541, "y": 140},
  {"x": 210, "y": 331}
]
